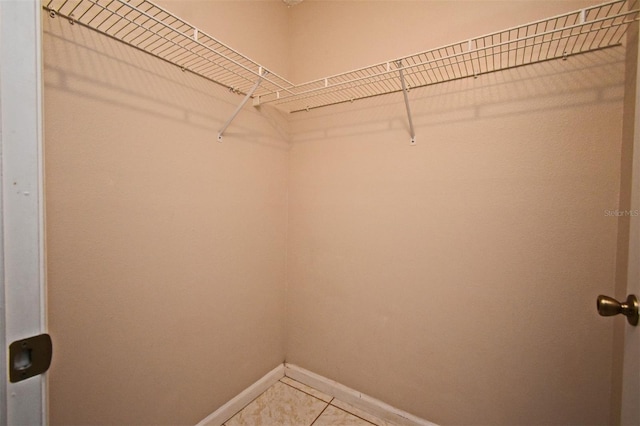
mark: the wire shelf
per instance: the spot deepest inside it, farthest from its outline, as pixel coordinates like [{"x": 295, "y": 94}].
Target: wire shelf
[
  {"x": 581, "y": 31},
  {"x": 154, "y": 30}
]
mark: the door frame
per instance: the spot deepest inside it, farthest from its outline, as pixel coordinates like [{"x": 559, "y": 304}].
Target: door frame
[{"x": 22, "y": 253}]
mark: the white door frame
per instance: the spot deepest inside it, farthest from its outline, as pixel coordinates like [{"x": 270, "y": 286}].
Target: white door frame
[{"x": 22, "y": 262}]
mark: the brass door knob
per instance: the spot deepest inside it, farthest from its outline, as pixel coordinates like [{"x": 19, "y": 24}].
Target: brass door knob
[{"x": 608, "y": 306}]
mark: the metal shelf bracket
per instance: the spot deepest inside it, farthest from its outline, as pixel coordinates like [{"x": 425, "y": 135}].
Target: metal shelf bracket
[
  {"x": 248, "y": 96},
  {"x": 405, "y": 92}
]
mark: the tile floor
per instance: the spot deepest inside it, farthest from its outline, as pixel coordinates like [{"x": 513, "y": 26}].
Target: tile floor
[{"x": 291, "y": 403}]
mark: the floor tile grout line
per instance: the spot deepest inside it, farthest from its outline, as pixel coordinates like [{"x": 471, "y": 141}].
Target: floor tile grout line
[
  {"x": 353, "y": 414},
  {"x": 320, "y": 414},
  {"x": 329, "y": 403},
  {"x": 247, "y": 404},
  {"x": 307, "y": 393},
  {"x": 333, "y": 398}
]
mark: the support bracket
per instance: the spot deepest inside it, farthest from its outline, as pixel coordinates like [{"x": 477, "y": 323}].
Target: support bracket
[
  {"x": 262, "y": 73},
  {"x": 405, "y": 92}
]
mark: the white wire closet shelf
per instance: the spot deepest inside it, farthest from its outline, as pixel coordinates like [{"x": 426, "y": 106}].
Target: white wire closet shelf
[
  {"x": 154, "y": 30},
  {"x": 593, "y": 28}
]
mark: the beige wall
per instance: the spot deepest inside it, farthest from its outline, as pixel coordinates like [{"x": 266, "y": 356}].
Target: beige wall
[
  {"x": 456, "y": 279},
  {"x": 166, "y": 249}
]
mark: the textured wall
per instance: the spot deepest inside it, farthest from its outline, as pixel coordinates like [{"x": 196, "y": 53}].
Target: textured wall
[
  {"x": 456, "y": 279},
  {"x": 166, "y": 249}
]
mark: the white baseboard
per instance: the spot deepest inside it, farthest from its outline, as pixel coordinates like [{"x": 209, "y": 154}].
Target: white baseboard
[
  {"x": 225, "y": 412},
  {"x": 328, "y": 386},
  {"x": 353, "y": 397}
]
